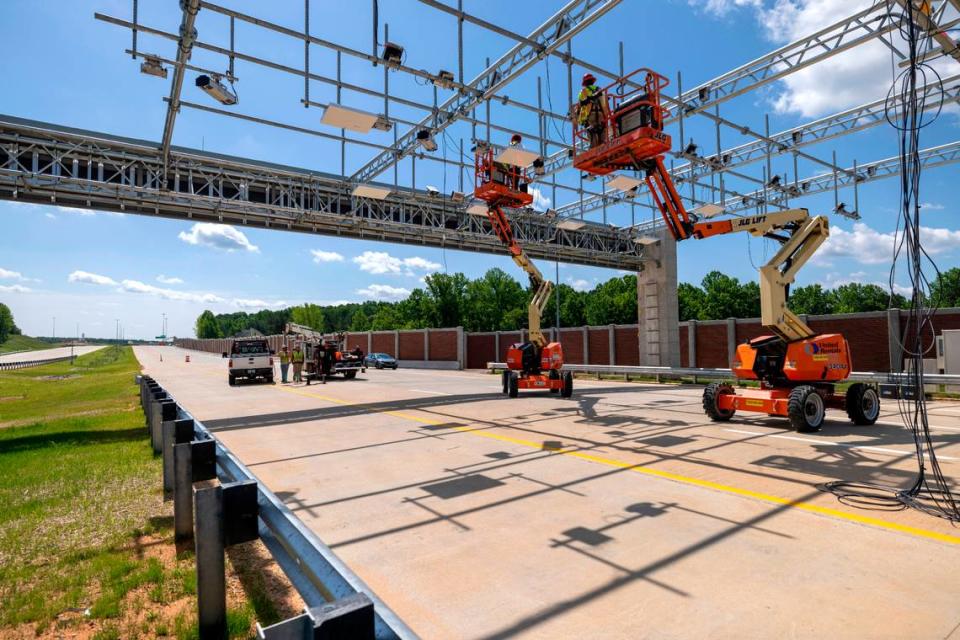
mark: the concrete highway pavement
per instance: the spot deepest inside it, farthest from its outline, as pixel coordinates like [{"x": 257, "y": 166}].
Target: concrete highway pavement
[
  {"x": 619, "y": 513},
  {"x": 48, "y": 354}
]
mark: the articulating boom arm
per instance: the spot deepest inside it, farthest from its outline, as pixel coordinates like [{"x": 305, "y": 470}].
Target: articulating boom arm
[
  {"x": 803, "y": 237},
  {"x": 542, "y": 287}
]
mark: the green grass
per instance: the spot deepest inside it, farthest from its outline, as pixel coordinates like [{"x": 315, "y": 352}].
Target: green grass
[
  {"x": 77, "y": 481},
  {"x": 25, "y": 343}
]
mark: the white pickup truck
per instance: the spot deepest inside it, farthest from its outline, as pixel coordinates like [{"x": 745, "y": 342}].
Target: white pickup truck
[{"x": 249, "y": 358}]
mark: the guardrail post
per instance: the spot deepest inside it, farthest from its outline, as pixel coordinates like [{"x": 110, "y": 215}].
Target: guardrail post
[
  {"x": 211, "y": 580},
  {"x": 182, "y": 492},
  {"x": 174, "y": 432},
  {"x": 163, "y": 411}
]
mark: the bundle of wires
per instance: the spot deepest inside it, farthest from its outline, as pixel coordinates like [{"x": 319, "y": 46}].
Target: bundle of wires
[{"x": 908, "y": 112}]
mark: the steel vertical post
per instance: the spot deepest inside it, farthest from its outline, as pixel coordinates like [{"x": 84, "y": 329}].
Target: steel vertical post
[{"x": 211, "y": 579}]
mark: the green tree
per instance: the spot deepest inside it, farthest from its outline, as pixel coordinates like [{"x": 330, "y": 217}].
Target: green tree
[
  {"x": 309, "y": 315},
  {"x": 945, "y": 290},
  {"x": 7, "y": 326},
  {"x": 417, "y": 311},
  {"x": 856, "y": 297},
  {"x": 613, "y": 302},
  {"x": 207, "y": 326},
  {"x": 360, "y": 321},
  {"x": 449, "y": 295},
  {"x": 386, "y": 318},
  {"x": 811, "y": 299},
  {"x": 721, "y": 296},
  {"x": 494, "y": 302},
  {"x": 572, "y": 303},
  {"x": 691, "y": 298}
]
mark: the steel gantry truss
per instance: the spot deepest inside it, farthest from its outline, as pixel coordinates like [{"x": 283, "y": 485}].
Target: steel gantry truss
[
  {"x": 46, "y": 164},
  {"x": 49, "y": 163}
]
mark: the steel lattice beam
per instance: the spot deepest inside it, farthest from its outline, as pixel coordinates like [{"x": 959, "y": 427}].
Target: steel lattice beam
[
  {"x": 852, "y": 31},
  {"x": 560, "y": 28},
  {"x": 188, "y": 35},
  {"x": 832, "y": 126},
  {"x": 46, "y": 164},
  {"x": 824, "y": 183}
]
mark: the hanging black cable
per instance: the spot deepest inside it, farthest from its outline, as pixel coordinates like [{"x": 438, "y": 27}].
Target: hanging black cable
[{"x": 906, "y": 111}]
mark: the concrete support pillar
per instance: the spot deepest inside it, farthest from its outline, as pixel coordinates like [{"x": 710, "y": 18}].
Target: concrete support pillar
[
  {"x": 396, "y": 344},
  {"x": 496, "y": 346},
  {"x": 586, "y": 345},
  {"x": 893, "y": 340},
  {"x": 369, "y": 342},
  {"x": 731, "y": 340},
  {"x": 612, "y": 342},
  {"x": 692, "y": 342},
  {"x": 657, "y": 305},
  {"x": 461, "y": 349},
  {"x": 426, "y": 344}
]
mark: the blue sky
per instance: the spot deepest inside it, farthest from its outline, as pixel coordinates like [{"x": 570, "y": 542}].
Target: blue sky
[{"x": 89, "y": 270}]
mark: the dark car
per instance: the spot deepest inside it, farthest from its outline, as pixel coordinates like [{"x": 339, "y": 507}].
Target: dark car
[{"x": 381, "y": 361}]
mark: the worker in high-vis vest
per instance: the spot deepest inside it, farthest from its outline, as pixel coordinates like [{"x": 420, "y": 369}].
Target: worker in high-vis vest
[
  {"x": 591, "y": 110},
  {"x": 284, "y": 363},
  {"x": 297, "y": 363}
]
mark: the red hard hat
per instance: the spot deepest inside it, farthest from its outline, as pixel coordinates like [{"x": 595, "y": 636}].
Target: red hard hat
[{"x": 588, "y": 78}]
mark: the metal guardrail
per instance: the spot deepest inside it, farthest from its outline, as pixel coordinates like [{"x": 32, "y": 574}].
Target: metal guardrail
[
  {"x": 724, "y": 374},
  {"x": 314, "y": 570},
  {"x": 23, "y": 364}
]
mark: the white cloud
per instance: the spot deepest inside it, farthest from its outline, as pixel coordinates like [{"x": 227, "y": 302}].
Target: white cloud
[
  {"x": 90, "y": 278},
  {"x": 162, "y": 279},
  {"x": 931, "y": 206},
  {"x": 6, "y": 274},
  {"x": 866, "y": 245},
  {"x": 721, "y": 8},
  {"x": 381, "y": 262},
  {"x": 135, "y": 286},
  {"x": 580, "y": 284},
  {"x": 834, "y": 280},
  {"x": 384, "y": 292},
  {"x": 320, "y": 256},
  {"x": 51, "y": 216},
  {"x": 245, "y": 303},
  {"x": 218, "y": 236},
  {"x": 848, "y": 79},
  {"x": 15, "y": 288},
  {"x": 540, "y": 201}
]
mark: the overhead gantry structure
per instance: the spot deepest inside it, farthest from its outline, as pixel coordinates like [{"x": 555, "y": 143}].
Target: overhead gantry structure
[{"x": 45, "y": 163}]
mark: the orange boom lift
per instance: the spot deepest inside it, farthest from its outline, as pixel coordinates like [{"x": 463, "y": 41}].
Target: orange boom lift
[
  {"x": 535, "y": 364},
  {"x": 797, "y": 368}
]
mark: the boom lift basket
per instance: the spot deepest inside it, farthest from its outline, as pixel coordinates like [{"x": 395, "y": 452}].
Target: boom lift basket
[
  {"x": 499, "y": 184},
  {"x": 632, "y": 127}
]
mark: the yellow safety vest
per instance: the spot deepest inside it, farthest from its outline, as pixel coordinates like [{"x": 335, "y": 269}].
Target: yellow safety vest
[
  {"x": 297, "y": 356},
  {"x": 587, "y": 99}
]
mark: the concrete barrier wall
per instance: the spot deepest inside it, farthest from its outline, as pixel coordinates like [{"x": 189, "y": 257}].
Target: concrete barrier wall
[{"x": 874, "y": 339}]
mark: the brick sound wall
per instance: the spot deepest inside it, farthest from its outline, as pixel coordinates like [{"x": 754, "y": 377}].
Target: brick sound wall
[
  {"x": 867, "y": 334},
  {"x": 443, "y": 345}
]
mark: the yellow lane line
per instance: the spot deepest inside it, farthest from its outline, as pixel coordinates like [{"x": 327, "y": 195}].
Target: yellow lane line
[{"x": 675, "y": 477}]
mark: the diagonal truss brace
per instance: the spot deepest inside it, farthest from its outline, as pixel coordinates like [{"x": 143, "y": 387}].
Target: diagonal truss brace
[{"x": 561, "y": 27}]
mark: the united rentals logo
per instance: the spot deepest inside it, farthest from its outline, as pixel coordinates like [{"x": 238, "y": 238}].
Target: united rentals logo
[{"x": 822, "y": 348}]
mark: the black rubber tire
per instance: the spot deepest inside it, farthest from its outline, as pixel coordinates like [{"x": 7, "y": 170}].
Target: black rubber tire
[
  {"x": 567, "y": 390},
  {"x": 505, "y": 381},
  {"x": 513, "y": 386},
  {"x": 863, "y": 404},
  {"x": 806, "y": 409},
  {"x": 231, "y": 380},
  {"x": 349, "y": 375},
  {"x": 554, "y": 375},
  {"x": 270, "y": 379},
  {"x": 710, "y": 394}
]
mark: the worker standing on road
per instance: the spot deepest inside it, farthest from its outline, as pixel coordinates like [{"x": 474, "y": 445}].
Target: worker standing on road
[
  {"x": 284, "y": 363},
  {"x": 297, "y": 363},
  {"x": 591, "y": 110}
]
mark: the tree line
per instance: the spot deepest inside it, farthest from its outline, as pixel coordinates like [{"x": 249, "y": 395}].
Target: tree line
[
  {"x": 7, "y": 326},
  {"x": 498, "y": 302}
]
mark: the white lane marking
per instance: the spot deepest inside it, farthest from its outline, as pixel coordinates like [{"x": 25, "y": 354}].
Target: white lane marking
[
  {"x": 835, "y": 444},
  {"x": 433, "y": 393},
  {"x": 933, "y": 426}
]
